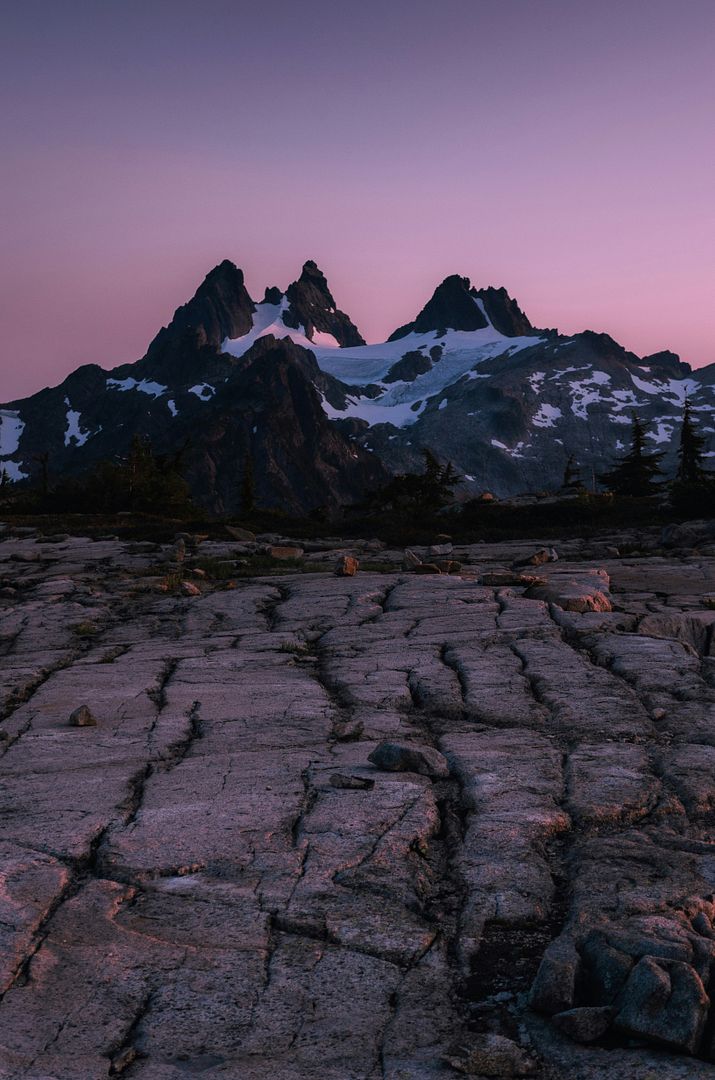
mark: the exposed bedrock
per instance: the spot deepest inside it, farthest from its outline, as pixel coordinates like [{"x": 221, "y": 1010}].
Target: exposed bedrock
[{"x": 385, "y": 826}]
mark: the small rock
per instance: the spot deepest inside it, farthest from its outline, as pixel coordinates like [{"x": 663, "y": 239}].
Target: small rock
[
  {"x": 449, "y": 566},
  {"x": 8, "y": 592},
  {"x": 348, "y": 730},
  {"x": 375, "y": 545},
  {"x": 82, "y": 717},
  {"x": 282, "y": 551},
  {"x": 494, "y": 1056},
  {"x": 198, "y": 572},
  {"x": 440, "y": 549},
  {"x": 585, "y": 1025},
  {"x": 122, "y": 1061},
  {"x": 543, "y": 555},
  {"x": 240, "y": 534},
  {"x": 352, "y": 783},
  {"x": 394, "y": 757},
  {"x": 189, "y": 589},
  {"x": 179, "y": 550},
  {"x": 426, "y": 568},
  {"x": 504, "y": 578},
  {"x": 347, "y": 566},
  {"x": 410, "y": 560}
]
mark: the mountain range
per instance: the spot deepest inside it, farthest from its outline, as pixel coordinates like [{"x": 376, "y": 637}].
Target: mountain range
[{"x": 289, "y": 385}]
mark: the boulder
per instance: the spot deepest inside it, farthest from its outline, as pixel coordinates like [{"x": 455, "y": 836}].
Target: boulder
[
  {"x": 665, "y": 1001},
  {"x": 580, "y": 593},
  {"x": 410, "y": 560},
  {"x": 347, "y": 566},
  {"x": 395, "y": 757},
  {"x": 426, "y": 568},
  {"x": 189, "y": 589},
  {"x": 606, "y": 968},
  {"x": 82, "y": 717},
  {"x": 440, "y": 549},
  {"x": 554, "y": 988}
]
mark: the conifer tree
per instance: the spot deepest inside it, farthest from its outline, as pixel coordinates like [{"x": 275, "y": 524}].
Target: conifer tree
[
  {"x": 636, "y": 475},
  {"x": 572, "y": 476},
  {"x": 691, "y": 468}
]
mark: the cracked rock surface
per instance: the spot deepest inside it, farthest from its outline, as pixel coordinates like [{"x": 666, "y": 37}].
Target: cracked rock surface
[{"x": 215, "y": 880}]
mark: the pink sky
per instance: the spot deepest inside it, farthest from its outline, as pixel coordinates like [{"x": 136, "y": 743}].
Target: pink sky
[{"x": 562, "y": 149}]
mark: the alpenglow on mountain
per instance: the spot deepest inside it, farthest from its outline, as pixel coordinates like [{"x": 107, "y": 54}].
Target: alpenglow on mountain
[{"x": 290, "y": 384}]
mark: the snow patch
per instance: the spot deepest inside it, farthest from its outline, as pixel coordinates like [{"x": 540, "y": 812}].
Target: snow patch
[
  {"x": 145, "y": 386},
  {"x": 443, "y": 404},
  {"x": 73, "y": 432},
  {"x": 535, "y": 380},
  {"x": 547, "y": 416},
  {"x": 11, "y": 428},
  {"x": 13, "y": 471},
  {"x": 204, "y": 391},
  {"x": 585, "y": 392},
  {"x": 678, "y": 389},
  {"x": 663, "y": 431},
  {"x": 171, "y": 405},
  {"x": 372, "y": 411}
]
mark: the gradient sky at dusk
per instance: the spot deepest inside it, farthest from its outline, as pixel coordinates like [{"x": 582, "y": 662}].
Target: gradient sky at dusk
[{"x": 563, "y": 148}]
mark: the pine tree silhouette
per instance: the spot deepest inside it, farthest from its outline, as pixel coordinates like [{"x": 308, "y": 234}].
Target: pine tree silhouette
[
  {"x": 691, "y": 468},
  {"x": 636, "y": 475}
]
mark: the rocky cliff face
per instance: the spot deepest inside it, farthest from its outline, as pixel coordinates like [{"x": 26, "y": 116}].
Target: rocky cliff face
[{"x": 469, "y": 377}]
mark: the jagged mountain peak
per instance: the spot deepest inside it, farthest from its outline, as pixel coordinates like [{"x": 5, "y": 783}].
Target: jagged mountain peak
[
  {"x": 221, "y": 307},
  {"x": 311, "y": 305},
  {"x": 457, "y": 305},
  {"x": 452, "y": 306}
]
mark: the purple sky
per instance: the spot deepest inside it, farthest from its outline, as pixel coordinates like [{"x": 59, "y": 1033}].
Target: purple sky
[{"x": 562, "y": 148}]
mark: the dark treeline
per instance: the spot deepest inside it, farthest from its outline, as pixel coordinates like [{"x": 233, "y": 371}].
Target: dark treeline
[{"x": 409, "y": 507}]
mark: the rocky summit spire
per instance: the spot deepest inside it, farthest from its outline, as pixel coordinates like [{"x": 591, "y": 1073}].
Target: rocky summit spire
[
  {"x": 452, "y": 307},
  {"x": 311, "y": 305},
  {"x": 220, "y": 308},
  {"x": 503, "y": 313},
  {"x": 456, "y": 305}
]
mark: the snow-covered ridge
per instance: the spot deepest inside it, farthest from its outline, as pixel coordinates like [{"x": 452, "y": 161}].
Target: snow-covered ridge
[
  {"x": 268, "y": 320},
  {"x": 401, "y": 402}
]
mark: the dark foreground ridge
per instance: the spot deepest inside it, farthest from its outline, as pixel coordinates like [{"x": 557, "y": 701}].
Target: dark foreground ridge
[{"x": 228, "y": 876}]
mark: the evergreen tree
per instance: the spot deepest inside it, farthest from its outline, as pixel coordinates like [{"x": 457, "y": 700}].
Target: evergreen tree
[
  {"x": 572, "y": 476},
  {"x": 691, "y": 469},
  {"x": 637, "y": 474},
  {"x": 423, "y": 494}
]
